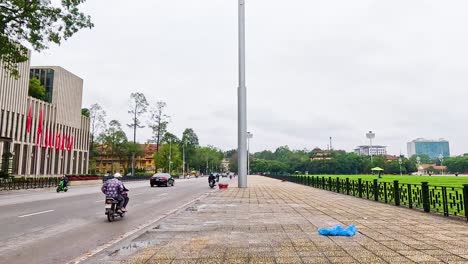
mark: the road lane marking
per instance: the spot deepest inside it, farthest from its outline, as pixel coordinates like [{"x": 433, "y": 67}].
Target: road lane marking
[
  {"x": 43, "y": 212},
  {"x": 162, "y": 194}
]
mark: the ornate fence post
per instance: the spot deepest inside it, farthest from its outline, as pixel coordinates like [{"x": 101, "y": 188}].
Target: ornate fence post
[
  {"x": 330, "y": 183},
  {"x": 410, "y": 197},
  {"x": 425, "y": 197},
  {"x": 465, "y": 199},
  {"x": 338, "y": 183},
  {"x": 323, "y": 183},
  {"x": 385, "y": 192},
  {"x": 360, "y": 187},
  {"x": 444, "y": 201},
  {"x": 396, "y": 191},
  {"x": 347, "y": 186},
  {"x": 376, "y": 190}
]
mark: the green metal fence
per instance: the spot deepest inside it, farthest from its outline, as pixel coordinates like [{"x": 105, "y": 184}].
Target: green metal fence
[{"x": 449, "y": 201}]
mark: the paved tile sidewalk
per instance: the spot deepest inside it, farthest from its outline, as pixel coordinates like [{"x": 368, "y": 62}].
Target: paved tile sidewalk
[{"x": 277, "y": 222}]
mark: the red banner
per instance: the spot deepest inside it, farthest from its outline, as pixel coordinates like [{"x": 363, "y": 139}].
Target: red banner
[
  {"x": 29, "y": 120},
  {"x": 57, "y": 141},
  {"x": 39, "y": 130}
]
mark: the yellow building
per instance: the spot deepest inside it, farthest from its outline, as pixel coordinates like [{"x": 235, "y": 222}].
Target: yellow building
[{"x": 106, "y": 163}]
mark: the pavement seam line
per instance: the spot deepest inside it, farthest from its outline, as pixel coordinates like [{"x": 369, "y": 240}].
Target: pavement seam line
[{"x": 109, "y": 244}]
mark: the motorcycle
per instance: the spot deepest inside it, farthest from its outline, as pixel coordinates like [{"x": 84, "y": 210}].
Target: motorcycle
[
  {"x": 212, "y": 184},
  {"x": 113, "y": 209},
  {"x": 61, "y": 187}
]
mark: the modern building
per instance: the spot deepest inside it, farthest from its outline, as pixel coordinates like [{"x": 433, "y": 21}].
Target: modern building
[
  {"x": 43, "y": 138},
  {"x": 105, "y": 162},
  {"x": 429, "y": 147},
  {"x": 367, "y": 150}
]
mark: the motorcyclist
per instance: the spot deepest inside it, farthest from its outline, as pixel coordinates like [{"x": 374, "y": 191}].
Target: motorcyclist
[
  {"x": 114, "y": 188},
  {"x": 211, "y": 178},
  {"x": 65, "y": 181}
]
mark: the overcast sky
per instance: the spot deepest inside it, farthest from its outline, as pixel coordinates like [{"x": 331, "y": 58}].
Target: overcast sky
[{"x": 315, "y": 69}]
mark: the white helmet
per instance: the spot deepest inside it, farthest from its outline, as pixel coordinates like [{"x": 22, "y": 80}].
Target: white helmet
[{"x": 117, "y": 175}]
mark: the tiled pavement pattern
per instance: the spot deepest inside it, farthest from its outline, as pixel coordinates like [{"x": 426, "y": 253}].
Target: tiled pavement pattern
[{"x": 276, "y": 222}]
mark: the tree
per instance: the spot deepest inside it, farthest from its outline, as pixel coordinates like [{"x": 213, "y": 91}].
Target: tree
[
  {"x": 97, "y": 124},
  {"x": 129, "y": 149},
  {"x": 85, "y": 112},
  {"x": 425, "y": 159},
  {"x": 169, "y": 137},
  {"x": 36, "y": 24},
  {"x": 36, "y": 90},
  {"x": 97, "y": 117},
  {"x": 168, "y": 152},
  {"x": 114, "y": 139},
  {"x": 138, "y": 107},
  {"x": 190, "y": 140},
  {"x": 158, "y": 122},
  {"x": 203, "y": 157}
]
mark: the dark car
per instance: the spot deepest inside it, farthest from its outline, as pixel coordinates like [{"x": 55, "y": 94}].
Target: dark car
[{"x": 161, "y": 179}]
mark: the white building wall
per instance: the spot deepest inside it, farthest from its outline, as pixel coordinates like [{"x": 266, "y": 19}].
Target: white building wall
[{"x": 31, "y": 157}]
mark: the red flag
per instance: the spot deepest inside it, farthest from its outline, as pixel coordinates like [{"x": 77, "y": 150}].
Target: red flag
[
  {"x": 57, "y": 141},
  {"x": 39, "y": 130},
  {"x": 70, "y": 143},
  {"x": 63, "y": 142},
  {"x": 29, "y": 120}
]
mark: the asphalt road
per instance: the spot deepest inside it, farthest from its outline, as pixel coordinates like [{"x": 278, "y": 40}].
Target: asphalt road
[{"x": 42, "y": 226}]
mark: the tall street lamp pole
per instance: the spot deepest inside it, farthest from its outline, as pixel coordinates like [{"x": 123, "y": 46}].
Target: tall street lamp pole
[
  {"x": 249, "y": 136},
  {"x": 242, "y": 103},
  {"x": 400, "y": 161}
]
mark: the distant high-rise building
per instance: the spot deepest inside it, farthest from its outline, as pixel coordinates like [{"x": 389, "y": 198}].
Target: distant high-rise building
[
  {"x": 368, "y": 150},
  {"x": 429, "y": 147}
]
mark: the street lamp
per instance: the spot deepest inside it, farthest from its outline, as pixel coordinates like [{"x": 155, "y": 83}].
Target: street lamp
[
  {"x": 249, "y": 136},
  {"x": 242, "y": 102},
  {"x": 441, "y": 158},
  {"x": 170, "y": 155},
  {"x": 400, "y": 161},
  {"x": 370, "y": 135},
  {"x": 183, "y": 157}
]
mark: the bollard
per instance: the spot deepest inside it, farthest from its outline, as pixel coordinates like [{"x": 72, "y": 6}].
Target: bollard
[{"x": 425, "y": 197}]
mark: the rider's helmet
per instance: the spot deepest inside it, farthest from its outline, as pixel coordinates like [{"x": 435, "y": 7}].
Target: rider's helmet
[{"x": 117, "y": 175}]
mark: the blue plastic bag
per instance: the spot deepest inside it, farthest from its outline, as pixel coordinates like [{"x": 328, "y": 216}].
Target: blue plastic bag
[{"x": 338, "y": 231}]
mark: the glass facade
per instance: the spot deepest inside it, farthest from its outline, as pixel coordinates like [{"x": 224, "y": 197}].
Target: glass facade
[
  {"x": 432, "y": 149},
  {"x": 46, "y": 76}
]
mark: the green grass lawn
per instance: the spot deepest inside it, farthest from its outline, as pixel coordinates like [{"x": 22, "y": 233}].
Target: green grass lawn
[{"x": 449, "y": 181}]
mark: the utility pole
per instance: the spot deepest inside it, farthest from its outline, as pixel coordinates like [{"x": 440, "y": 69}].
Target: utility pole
[
  {"x": 242, "y": 102},
  {"x": 183, "y": 159},
  {"x": 170, "y": 155}
]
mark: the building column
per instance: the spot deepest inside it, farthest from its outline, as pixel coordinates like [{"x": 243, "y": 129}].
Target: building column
[{"x": 20, "y": 159}]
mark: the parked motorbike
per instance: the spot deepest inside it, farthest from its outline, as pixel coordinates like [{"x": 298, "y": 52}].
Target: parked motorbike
[
  {"x": 113, "y": 209},
  {"x": 61, "y": 187},
  {"x": 212, "y": 184}
]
